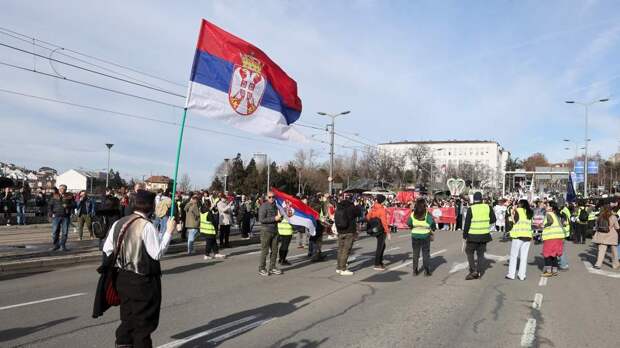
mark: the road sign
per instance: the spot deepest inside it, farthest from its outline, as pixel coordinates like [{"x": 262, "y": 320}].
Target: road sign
[
  {"x": 592, "y": 167},
  {"x": 579, "y": 167}
]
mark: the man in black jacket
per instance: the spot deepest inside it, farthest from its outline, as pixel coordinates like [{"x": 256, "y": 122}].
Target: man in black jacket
[
  {"x": 476, "y": 232},
  {"x": 346, "y": 213},
  {"x": 59, "y": 210}
]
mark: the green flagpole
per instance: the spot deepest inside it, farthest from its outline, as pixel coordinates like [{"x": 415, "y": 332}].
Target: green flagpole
[{"x": 176, "y": 166}]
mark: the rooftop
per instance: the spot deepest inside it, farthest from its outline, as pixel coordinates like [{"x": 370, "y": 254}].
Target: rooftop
[
  {"x": 428, "y": 142},
  {"x": 159, "y": 179}
]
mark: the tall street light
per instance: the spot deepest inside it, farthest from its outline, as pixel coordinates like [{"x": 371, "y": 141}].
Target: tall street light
[
  {"x": 107, "y": 174},
  {"x": 432, "y": 165},
  {"x": 331, "y": 146},
  {"x": 268, "y": 168},
  {"x": 586, "y": 106},
  {"x": 226, "y": 175}
]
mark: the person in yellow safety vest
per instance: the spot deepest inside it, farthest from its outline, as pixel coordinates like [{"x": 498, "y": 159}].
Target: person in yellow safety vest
[
  {"x": 521, "y": 235},
  {"x": 207, "y": 228},
  {"x": 422, "y": 226},
  {"x": 592, "y": 216},
  {"x": 567, "y": 224},
  {"x": 476, "y": 232},
  {"x": 285, "y": 233},
  {"x": 581, "y": 223},
  {"x": 553, "y": 239}
]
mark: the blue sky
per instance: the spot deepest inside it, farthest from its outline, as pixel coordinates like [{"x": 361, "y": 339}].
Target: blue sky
[{"x": 408, "y": 70}]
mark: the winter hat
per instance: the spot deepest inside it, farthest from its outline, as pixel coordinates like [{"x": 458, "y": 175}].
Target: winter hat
[{"x": 477, "y": 197}]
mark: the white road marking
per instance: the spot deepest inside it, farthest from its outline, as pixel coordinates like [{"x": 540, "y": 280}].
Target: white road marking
[
  {"x": 252, "y": 253},
  {"x": 529, "y": 333},
  {"x": 537, "y": 303},
  {"x": 239, "y": 330},
  {"x": 182, "y": 341},
  {"x": 392, "y": 249},
  {"x": 543, "y": 281},
  {"x": 410, "y": 262},
  {"x": 464, "y": 265},
  {"x": 404, "y": 236},
  {"x": 600, "y": 271},
  {"x": 459, "y": 266},
  {"x": 42, "y": 301}
]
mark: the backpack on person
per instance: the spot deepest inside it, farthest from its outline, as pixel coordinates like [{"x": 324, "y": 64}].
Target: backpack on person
[
  {"x": 583, "y": 216},
  {"x": 602, "y": 225},
  {"x": 341, "y": 219},
  {"x": 374, "y": 227}
]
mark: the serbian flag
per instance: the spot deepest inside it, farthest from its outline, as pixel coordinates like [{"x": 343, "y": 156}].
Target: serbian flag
[
  {"x": 303, "y": 215},
  {"x": 236, "y": 82}
]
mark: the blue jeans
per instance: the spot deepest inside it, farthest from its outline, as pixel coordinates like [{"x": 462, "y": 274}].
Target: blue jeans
[
  {"x": 191, "y": 236},
  {"x": 563, "y": 258},
  {"x": 162, "y": 224},
  {"x": 60, "y": 225},
  {"x": 21, "y": 214}
]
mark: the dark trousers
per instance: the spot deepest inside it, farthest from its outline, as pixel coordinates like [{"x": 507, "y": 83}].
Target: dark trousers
[
  {"x": 224, "y": 236},
  {"x": 268, "y": 243},
  {"x": 314, "y": 245},
  {"x": 285, "y": 241},
  {"x": 210, "y": 245},
  {"x": 479, "y": 248},
  {"x": 425, "y": 246},
  {"x": 140, "y": 305},
  {"x": 245, "y": 226},
  {"x": 60, "y": 230},
  {"x": 551, "y": 261},
  {"x": 345, "y": 243},
  {"x": 580, "y": 233},
  {"x": 85, "y": 220},
  {"x": 380, "y": 250}
]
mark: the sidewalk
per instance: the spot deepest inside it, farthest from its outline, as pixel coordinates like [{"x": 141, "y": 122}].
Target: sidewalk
[{"x": 24, "y": 249}]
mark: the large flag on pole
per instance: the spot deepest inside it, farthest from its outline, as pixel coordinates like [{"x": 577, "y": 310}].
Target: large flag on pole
[
  {"x": 302, "y": 214},
  {"x": 571, "y": 196},
  {"x": 234, "y": 81}
]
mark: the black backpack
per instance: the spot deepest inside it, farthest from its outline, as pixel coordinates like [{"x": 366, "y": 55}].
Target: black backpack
[
  {"x": 583, "y": 215},
  {"x": 374, "y": 227},
  {"x": 341, "y": 219},
  {"x": 602, "y": 225}
]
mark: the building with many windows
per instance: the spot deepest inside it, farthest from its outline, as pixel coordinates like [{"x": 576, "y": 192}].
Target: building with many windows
[{"x": 481, "y": 155}]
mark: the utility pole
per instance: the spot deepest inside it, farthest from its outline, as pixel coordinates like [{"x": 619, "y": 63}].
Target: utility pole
[
  {"x": 107, "y": 174},
  {"x": 330, "y": 179},
  {"x": 585, "y": 157},
  {"x": 226, "y": 174},
  {"x": 268, "y": 169}
]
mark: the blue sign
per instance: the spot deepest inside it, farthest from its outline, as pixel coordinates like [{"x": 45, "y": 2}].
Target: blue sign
[
  {"x": 592, "y": 167},
  {"x": 579, "y": 178},
  {"x": 579, "y": 167}
]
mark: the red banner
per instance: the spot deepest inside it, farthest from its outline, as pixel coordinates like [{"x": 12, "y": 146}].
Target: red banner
[
  {"x": 398, "y": 217},
  {"x": 443, "y": 215},
  {"x": 406, "y": 196}
]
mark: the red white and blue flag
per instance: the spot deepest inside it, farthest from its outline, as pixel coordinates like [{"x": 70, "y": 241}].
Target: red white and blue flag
[
  {"x": 236, "y": 82},
  {"x": 295, "y": 211}
]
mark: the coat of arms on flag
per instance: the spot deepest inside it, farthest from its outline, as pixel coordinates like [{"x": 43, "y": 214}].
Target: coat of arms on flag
[{"x": 247, "y": 86}]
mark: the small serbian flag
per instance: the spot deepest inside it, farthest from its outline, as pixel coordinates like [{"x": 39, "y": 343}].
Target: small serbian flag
[
  {"x": 236, "y": 82},
  {"x": 301, "y": 213}
]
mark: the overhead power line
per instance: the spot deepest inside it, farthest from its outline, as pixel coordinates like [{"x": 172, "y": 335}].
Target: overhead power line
[
  {"x": 90, "y": 70},
  {"x": 31, "y": 39},
  {"x": 90, "y": 85}
]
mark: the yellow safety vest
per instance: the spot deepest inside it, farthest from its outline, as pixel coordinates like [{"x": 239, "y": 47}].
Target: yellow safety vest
[
  {"x": 523, "y": 228},
  {"x": 284, "y": 228},
  {"x": 592, "y": 216},
  {"x": 555, "y": 231},
  {"x": 579, "y": 213},
  {"x": 206, "y": 226},
  {"x": 480, "y": 222},
  {"x": 566, "y": 214},
  {"x": 420, "y": 227}
]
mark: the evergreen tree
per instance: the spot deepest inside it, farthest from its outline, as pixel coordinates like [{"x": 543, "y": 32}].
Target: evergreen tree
[
  {"x": 237, "y": 175},
  {"x": 216, "y": 185},
  {"x": 252, "y": 180}
]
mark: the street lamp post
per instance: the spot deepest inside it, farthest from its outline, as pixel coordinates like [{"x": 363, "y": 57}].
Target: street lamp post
[
  {"x": 585, "y": 154},
  {"x": 226, "y": 175},
  {"x": 107, "y": 174},
  {"x": 331, "y": 146},
  {"x": 432, "y": 165},
  {"x": 268, "y": 168}
]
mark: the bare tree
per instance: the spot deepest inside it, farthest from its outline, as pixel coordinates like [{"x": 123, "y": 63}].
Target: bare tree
[{"x": 185, "y": 183}]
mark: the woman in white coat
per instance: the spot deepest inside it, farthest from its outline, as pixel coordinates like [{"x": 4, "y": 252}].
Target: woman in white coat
[{"x": 521, "y": 235}]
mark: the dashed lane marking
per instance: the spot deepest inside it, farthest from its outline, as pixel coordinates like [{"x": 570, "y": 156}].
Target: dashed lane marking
[
  {"x": 543, "y": 281},
  {"x": 42, "y": 301},
  {"x": 537, "y": 303},
  {"x": 529, "y": 333}
]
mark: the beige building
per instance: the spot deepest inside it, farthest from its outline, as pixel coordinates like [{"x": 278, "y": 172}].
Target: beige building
[{"x": 158, "y": 182}]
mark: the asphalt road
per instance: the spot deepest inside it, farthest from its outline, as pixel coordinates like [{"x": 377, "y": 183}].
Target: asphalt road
[{"x": 225, "y": 303}]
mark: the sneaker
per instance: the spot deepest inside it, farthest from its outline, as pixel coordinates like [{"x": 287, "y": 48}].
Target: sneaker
[
  {"x": 416, "y": 272},
  {"x": 338, "y": 271},
  {"x": 351, "y": 259},
  {"x": 596, "y": 267},
  {"x": 54, "y": 248},
  {"x": 507, "y": 277},
  {"x": 547, "y": 274},
  {"x": 346, "y": 272},
  {"x": 428, "y": 273},
  {"x": 379, "y": 268},
  {"x": 207, "y": 257},
  {"x": 263, "y": 272},
  {"x": 521, "y": 279},
  {"x": 275, "y": 271},
  {"x": 219, "y": 256}
]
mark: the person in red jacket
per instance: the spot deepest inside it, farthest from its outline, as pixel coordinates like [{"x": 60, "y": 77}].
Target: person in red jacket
[{"x": 378, "y": 211}]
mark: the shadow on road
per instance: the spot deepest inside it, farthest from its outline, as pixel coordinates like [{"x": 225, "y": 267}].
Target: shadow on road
[
  {"x": 590, "y": 254},
  {"x": 22, "y": 275},
  {"x": 190, "y": 267},
  {"x": 223, "y": 329},
  {"x": 305, "y": 343},
  {"x": 11, "y": 334}
]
